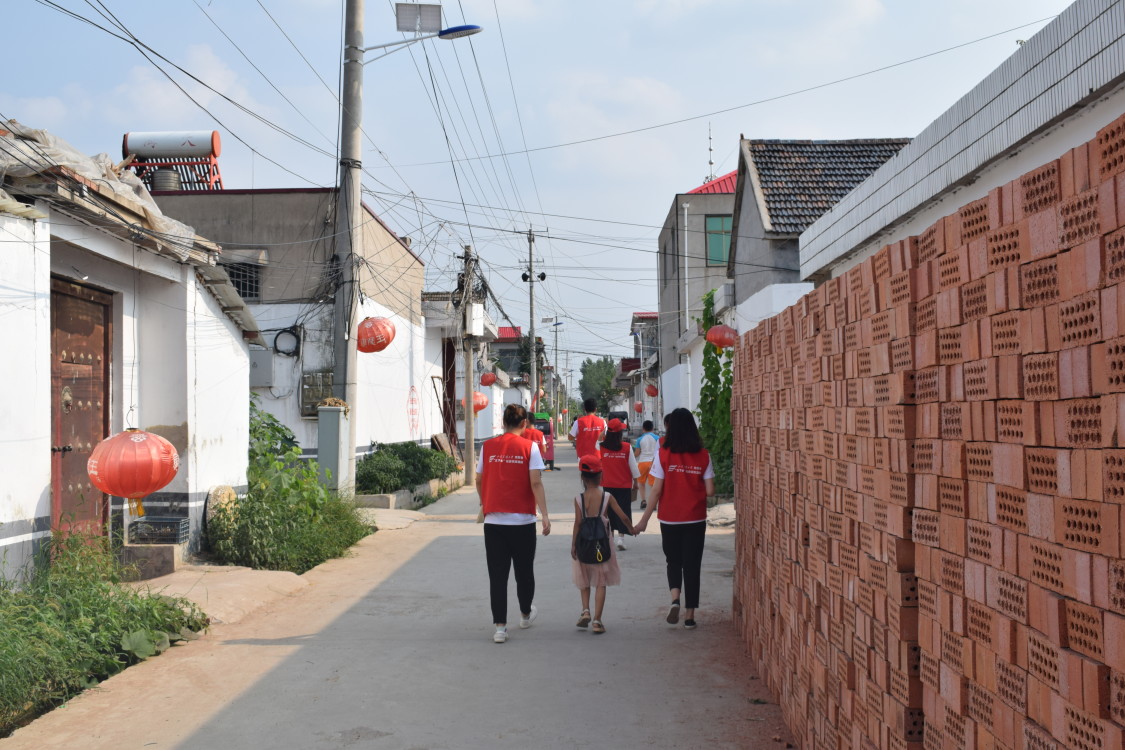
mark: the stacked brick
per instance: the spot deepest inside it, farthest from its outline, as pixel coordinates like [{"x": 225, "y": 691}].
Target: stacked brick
[{"x": 930, "y": 472}]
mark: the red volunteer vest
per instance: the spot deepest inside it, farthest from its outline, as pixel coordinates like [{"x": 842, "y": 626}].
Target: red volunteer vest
[
  {"x": 615, "y": 467},
  {"x": 505, "y": 480},
  {"x": 684, "y": 498},
  {"x": 535, "y": 435},
  {"x": 590, "y": 428}
]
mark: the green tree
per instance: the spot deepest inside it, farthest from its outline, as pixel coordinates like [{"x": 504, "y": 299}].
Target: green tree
[
  {"x": 597, "y": 381},
  {"x": 714, "y": 403}
]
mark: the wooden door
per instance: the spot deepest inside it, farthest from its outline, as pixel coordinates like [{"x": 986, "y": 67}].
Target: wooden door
[{"x": 80, "y": 348}]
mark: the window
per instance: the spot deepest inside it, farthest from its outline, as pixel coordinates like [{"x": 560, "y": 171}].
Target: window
[
  {"x": 718, "y": 239},
  {"x": 247, "y": 279}
]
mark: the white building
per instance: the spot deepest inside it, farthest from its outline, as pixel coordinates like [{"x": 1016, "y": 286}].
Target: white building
[{"x": 118, "y": 318}]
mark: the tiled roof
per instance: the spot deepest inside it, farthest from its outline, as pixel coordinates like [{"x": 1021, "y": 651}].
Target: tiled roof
[
  {"x": 645, "y": 315},
  {"x": 508, "y": 333},
  {"x": 803, "y": 179},
  {"x": 725, "y": 184}
]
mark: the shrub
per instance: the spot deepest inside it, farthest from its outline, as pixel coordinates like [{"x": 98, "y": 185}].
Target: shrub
[
  {"x": 71, "y": 624},
  {"x": 288, "y": 520},
  {"x": 395, "y": 466}
]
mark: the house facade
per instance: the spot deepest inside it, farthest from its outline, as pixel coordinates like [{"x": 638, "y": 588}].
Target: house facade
[
  {"x": 783, "y": 187},
  {"x": 121, "y": 318},
  {"x": 694, "y": 245},
  {"x": 278, "y": 247}
]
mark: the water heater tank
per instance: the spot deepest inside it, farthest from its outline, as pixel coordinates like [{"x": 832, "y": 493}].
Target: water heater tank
[{"x": 172, "y": 144}]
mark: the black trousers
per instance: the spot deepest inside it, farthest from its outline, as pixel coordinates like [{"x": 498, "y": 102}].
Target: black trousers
[
  {"x": 505, "y": 547},
  {"x": 624, "y": 498},
  {"x": 683, "y": 551}
]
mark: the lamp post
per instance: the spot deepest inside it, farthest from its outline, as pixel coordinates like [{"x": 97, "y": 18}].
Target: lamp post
[{"x": 411, "y": 17}]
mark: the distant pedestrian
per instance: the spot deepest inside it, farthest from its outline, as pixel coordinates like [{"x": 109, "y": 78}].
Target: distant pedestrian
[
  {"x": 510, "y": 485},
  {"x": 594, "y": 502},
  {"x": 620, "y": 474},
  {"x": 588, "y": 431},
  {"x": 685, "y": 479},
  {"x": 645, "y": 451}
]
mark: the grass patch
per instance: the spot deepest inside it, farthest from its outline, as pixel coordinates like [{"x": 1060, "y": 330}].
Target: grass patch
[
  {"x": 71, "y": 623},
  {"x": 289, "y": 520}
]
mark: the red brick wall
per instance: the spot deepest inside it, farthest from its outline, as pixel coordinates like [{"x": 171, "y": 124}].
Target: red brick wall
[{"x": 930, "y": 468}]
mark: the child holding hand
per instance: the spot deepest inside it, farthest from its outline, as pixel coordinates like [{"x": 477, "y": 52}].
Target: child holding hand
[{"x": 595, "y": 502}]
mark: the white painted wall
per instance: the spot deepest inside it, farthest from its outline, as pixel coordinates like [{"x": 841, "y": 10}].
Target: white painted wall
[
  {"x": 25, "y": 415},
  {"x": 766, "y": 303}
]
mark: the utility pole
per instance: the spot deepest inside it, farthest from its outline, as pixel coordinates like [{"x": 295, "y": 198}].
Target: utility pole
[
  {"x": 555, "y": 388},
  {"x": 348, "y": 239},
  {"x": 470, "y": 451},
  {"x": 531, "y": 326}
]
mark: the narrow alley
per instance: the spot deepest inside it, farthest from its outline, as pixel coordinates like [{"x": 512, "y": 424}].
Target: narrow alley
[{"x": 392, "y": 648}]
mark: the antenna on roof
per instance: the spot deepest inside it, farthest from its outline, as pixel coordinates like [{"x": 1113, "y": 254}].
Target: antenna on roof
[{"x": 710, "y": 156}]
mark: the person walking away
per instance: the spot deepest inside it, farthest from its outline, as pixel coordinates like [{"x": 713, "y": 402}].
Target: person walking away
[
  {"x": 684, "y": 479},
  {"x": 535, "y": 435},
  {"x": 620, "y": 474},
  {"x": 645, "y": 451},
  {"x": 510, "y": 485},
  {"x": 594, "y": 501},
  {"x": 588, "y": 431}
]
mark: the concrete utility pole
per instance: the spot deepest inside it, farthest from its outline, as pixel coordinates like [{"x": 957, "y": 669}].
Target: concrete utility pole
[
  {"x": 348, "y": 237},
  {"x": 470, "y": 451},
  {"x": 531, "y": 325},
  {"x": 687, "y": 317}
]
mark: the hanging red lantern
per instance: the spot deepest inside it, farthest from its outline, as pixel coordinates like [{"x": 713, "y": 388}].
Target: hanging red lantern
[
  {"x": 651, "y": 389},
  {"x": 722, "y": 336},
  {"x": 480, "y": 401},
  {"x": 133, "y": 464},
  {"x": 638, "y": 407},
  {"x": 488, "y": 378},
  {"x": 564, "y": 411},
  {"x": 374, "y": 334}
]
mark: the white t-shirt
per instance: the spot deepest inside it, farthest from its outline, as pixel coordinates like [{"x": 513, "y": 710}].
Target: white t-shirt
[
  {"x": 657, "y": 471},
  {"x": 647, "y": 444},
  {"x": 514, "y": 519}
]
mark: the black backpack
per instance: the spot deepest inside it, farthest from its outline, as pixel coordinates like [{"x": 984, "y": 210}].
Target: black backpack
[{"x": 593, "y": 546}]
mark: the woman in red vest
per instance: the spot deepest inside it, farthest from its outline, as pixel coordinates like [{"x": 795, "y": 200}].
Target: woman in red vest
[
  {"x": 684, "y": 479},
  {"x": 619, "y": 477},
  {"x": 510, "y": 485}
]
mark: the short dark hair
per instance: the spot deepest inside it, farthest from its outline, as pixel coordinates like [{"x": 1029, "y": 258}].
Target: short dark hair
[
  {"x": 683, "y": 435},
  {"x": 590, "y": 405},
  {"x": 514, "y": 415},
  {"x": 592, "y": 477},
  {"x": 647, "y": 425}
]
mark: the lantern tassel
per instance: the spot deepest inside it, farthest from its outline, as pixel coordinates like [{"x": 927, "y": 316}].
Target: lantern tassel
[{"x": 138, "y": 507}]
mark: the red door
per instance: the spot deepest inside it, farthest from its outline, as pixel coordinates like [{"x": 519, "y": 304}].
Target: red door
[{"x": 80, "y": 347}]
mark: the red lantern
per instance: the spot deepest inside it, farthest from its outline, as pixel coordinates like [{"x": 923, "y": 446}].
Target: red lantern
[
  {"x": 651, "y": 389},
  {"x": 722, "y": 336},
  {"x": 564, "y": 411},
  {"x": 133, "y": 464},
  {"x": 638, "y": 407},
  {"x": 480, "y": 401},
  {"x": 374, "y": 334},
  {"x": 488, "y": 378}
]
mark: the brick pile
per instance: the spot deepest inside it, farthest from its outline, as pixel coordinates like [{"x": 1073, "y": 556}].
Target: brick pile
[{"x": 929, "y": 480}]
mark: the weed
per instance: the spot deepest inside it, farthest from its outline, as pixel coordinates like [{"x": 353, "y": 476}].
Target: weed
[
  {"x": 288, "y": 520},
  {"x": 71, "y": 624}
]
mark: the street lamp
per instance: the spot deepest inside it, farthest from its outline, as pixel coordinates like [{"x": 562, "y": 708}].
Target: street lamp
[{"x": 425, "y": 21}]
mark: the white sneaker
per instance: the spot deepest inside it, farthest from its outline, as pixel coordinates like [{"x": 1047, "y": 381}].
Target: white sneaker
[
  {"x": 620, "y": 542},
  {"x": 501, "y": 635},
  {"x": 525, "y": 621}
]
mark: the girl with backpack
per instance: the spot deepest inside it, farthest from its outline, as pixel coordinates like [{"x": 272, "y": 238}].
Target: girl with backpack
[
  {"x": 594, "y": 561},
  {"x": 685, "y": 479},
  {"x": 620, "y": 472}
]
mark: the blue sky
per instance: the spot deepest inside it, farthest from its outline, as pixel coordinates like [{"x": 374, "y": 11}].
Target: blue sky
[{"x": 543, "y": 73}]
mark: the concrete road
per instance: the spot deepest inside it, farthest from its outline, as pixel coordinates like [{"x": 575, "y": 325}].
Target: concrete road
[{"x": 391, "y": 648}]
